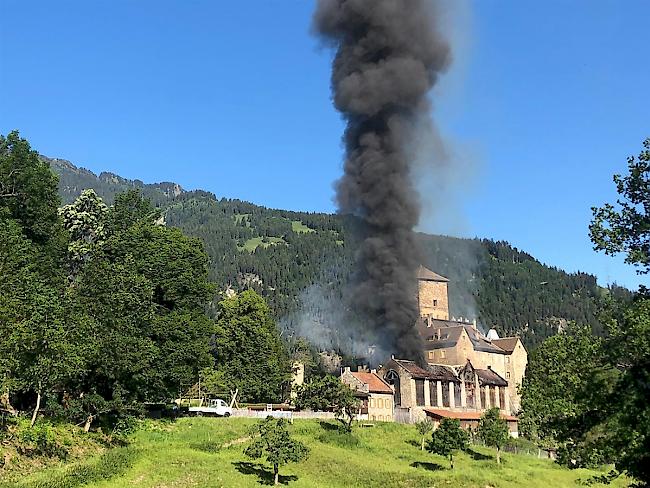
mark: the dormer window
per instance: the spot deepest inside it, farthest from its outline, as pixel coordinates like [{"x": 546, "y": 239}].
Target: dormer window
[{"x": 435, "y": 302}]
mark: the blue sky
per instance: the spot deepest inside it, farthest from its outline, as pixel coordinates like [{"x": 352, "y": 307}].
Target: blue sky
[{"x": 544, "y": 102}]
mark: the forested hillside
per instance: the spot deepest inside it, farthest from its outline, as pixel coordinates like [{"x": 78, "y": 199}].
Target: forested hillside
[{"x": 302, "y": 261}]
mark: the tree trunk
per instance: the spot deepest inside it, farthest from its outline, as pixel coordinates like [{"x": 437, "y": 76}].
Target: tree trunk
[
  {"x": 498, "y": 456},
  {"x": 276, "y": 475},
  {"x": 89, "y": 421},
  {"x": 422, "y": 447},
  {"x": 38, "y": 406},
  {"x": 451, "y": 460},
  {"x": 6, "y": 403}
]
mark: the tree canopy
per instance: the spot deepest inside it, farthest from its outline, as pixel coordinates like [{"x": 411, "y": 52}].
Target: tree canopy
[
  {"x": 493, "y": 430},
  {"x": 272, "y": 441},
  {"x": 248, "y": 349},
  {"x": 448, "y": 438},
  {"x": 625, "y": 227},
  {"x": 329, "y": 393}
]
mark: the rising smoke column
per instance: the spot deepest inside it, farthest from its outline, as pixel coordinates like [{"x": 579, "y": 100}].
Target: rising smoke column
[{"x": 389, "y": 54}]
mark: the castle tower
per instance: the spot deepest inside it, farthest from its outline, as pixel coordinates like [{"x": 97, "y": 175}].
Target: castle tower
[{"x": 433, "y": 299}]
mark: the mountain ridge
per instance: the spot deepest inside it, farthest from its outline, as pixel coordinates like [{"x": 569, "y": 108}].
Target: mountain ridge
[{"x": 301, "y": 261}]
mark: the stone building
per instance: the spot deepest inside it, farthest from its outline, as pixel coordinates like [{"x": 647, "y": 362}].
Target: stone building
[
  {"x": 444, "y": 391},
  {"x": 456, "y": 342},
  {"x": 375, "y": 394},
  {"x": 516, "y": 359},
  {"x": 432, "y": 294}
]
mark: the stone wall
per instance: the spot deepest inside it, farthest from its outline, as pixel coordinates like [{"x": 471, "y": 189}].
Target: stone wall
[
  {"x": 432, "y": 299},
  {"x": 516, "y": 367}
]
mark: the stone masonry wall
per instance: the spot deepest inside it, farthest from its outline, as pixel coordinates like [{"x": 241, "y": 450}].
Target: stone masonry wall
[{"x": 428, "y": 291}]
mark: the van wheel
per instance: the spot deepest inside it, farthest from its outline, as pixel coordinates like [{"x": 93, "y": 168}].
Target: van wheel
[
  {"x": 227, "y": 414},
  {"x": 199, "y": 414}
]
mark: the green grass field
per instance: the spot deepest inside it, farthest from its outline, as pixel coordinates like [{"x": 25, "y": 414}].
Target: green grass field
[
  {"x": 191, "y": 453},
  {"x": 298, "y": 227},
  {"x": 251, "y": 244}
]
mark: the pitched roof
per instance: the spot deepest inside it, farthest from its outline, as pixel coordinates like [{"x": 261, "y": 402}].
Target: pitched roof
[
  {"x": 506, "y": 343},
  {"x": 374, "y": 382},
  {"x": 434, "y": 371},
  {"x": 426, "y": 274},
  {"x": 490, "y": 378},
  {"x": 450, "y": 333},
  {"x": 451, "y": 414}
]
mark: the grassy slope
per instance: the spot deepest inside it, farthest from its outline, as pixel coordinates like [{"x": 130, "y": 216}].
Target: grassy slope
[
  {"x": 251, "y": 244},
  {"x": 188, "y": 453},
  {"x": 300, "y": 228}
]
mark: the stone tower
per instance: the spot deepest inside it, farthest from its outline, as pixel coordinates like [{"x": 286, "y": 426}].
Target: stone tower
[{"x": 433, "y": 299}]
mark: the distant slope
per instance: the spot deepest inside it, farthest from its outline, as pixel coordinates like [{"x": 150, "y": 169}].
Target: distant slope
[{"x": 283, "y": 253}]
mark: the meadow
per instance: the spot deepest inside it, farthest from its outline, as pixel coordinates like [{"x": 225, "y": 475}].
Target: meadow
[{"x": 208, "y": 452}]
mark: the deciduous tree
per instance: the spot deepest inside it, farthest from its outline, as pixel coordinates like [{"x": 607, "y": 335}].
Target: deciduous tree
[
  {"x": 28, "y": 189},
  {"x": 248, "y": 349},
  {"x": 272, "y": 441},
  {"x": 448, "y": 438},
  {"x": 625, "y": 227},
  {"x": 493, "y": 430},
  {"x": 329, "y": 393},
  {"x": 424, "y": 427}
]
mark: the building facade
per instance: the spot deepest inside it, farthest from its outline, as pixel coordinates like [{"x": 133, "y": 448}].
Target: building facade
[
  {"x": 376, "y": 396},
  {"x": 453, "y": 342}
]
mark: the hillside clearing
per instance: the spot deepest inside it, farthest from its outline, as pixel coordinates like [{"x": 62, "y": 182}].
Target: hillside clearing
[
  {"x": 251, "y": 244},
  {"x": 190, "y": 453},
  {"x": 299, "y": 228}
]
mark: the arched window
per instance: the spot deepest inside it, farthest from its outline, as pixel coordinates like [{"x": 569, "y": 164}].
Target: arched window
[{"x": 392, "y": 378}]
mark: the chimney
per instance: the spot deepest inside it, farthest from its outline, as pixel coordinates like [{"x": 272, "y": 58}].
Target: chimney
[
  {"x": 373, "y": 371},
  {"x": 346, "y": 369},
  {"x": 474, "y": 324},
  {"x": 439, "y": 334},
  {"x": 428, "y": 320}
]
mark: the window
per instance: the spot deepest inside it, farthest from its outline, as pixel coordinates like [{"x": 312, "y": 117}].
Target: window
[
  {"x": 371, "y": 403},
  {"x": 393, "y": 379},
  {"x": 507, "y": 359},
  {"x": 507, "y": 375},
  {"x": 380, "y": 403},
  {"x": 435, "y": 302},
  {"x": 431, "y": 355},
  {"x": 443, "y": 355},
  {"x": 419, "y": 393}
]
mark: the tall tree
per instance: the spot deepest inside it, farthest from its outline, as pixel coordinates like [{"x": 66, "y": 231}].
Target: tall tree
[
  {"x": 625, "y": 227},
  {"x": 146, "y": 290},
  {"x": 28, "y": 189},
  {"x": 556, "y": 375},
  {"x": 248, "y": 348},
  {"x": 85, "y": 220}
]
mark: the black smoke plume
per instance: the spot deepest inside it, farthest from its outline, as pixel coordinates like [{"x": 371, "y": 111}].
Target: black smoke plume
[{"x": 389, "y": 54}]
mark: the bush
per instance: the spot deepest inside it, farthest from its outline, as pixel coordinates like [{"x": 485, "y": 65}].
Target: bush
[
  {"x": 43, "y": 439},
  {"x": 340, "y": 438},
  {"x": 110, "y": 464}
]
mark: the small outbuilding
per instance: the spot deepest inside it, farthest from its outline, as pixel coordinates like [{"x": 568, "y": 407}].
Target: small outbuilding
[{"x": 375, "y": 394}]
